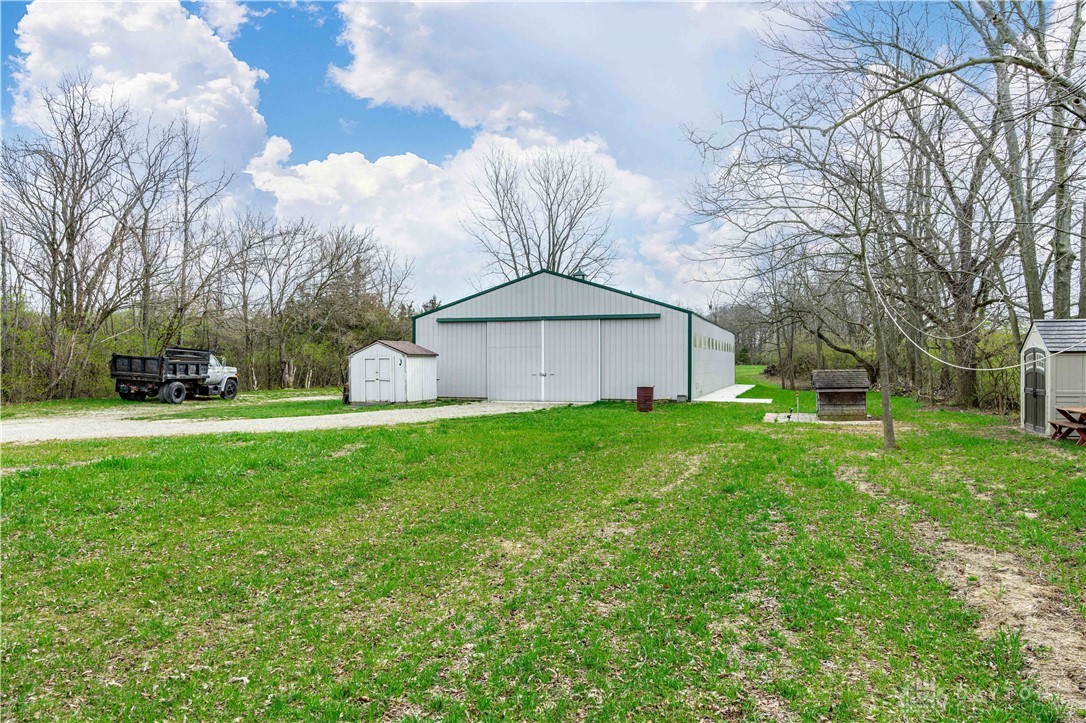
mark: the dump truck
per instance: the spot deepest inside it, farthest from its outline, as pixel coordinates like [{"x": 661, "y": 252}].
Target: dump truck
[{"x": 178, "y": 373}]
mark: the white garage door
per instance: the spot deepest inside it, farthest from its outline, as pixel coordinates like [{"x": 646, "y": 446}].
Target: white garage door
[{"x": 554, "y": 361}]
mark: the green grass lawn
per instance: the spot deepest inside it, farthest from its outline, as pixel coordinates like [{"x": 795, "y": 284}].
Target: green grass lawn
[
  {"x": 592, "y": 562},
  {"x": 115, "y": 403}
]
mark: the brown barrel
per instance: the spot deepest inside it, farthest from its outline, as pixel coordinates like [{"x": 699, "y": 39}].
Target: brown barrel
[{"x": 644, "y": 399}]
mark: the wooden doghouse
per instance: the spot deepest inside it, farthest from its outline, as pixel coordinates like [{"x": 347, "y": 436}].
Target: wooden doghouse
[{"x": 841, "y": 394}]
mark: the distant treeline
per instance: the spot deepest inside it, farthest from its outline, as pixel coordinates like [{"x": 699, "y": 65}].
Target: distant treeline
[
  {"x": 116, "y": 238},
  {"x": 906, "y": 180}
]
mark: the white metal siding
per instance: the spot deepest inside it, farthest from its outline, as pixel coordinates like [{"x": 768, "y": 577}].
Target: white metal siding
[
  {"x": 571, "y": 354},
  {"x": 714, "y": 358},
  {"x": 632, "y": 352},
  {"x": 546, "y": 295},
  {"x": 461, "y": 360},
  {"x": 644, "y": 353}
]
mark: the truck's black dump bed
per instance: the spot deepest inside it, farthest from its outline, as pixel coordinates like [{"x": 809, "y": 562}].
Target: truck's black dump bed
[{"x": 176, "y": 363}]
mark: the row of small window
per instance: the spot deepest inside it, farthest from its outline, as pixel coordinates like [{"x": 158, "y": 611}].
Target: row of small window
[{"x": 708, "y": 342}]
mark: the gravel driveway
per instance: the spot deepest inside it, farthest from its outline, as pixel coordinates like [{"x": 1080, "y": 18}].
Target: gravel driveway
[{"x": 94, "y": 425}]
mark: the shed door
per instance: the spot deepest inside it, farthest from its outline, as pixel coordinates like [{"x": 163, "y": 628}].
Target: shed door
[
  {"x": 1034, "y": 382},
  {"x": 377, "y": 372},
  {"x": 514, "y": 360}
]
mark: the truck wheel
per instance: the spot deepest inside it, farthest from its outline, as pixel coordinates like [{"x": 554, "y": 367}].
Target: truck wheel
[
  {"x": 229, "y": 390},
  {"x": 139, "y": 396},
  {"x": 174, "y": 393},
  {"x": 162, "y": 393}
]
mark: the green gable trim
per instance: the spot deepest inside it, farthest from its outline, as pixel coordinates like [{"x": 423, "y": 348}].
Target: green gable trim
[
  {"x": 570, "y": 278},
  {"x": 574, "y": 317}
]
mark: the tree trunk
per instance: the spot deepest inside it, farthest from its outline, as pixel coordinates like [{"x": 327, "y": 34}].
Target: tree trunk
[
  {"x": 1063, "y": 256},
  {"x": 888, "y": 440}
]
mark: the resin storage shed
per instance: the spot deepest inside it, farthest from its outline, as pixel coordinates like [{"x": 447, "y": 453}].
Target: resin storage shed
[{"x": 1053, "y": 362}]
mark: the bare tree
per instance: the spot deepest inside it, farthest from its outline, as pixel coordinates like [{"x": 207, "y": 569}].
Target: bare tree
[
  {"x": 546, "y": 212},
  {"x": 73, "y": 205},
  {"x": 202, "y": 255}
]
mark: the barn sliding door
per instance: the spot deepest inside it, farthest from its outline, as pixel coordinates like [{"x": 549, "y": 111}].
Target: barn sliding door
[
  {"x": 514, "y": 361},
  {"x": 571, "y": 360},
  {"x": 551, "y": 361}
]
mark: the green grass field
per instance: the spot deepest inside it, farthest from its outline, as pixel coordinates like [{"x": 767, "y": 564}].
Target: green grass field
[
  {"x": 585, "y": 562},
  {"x": 152, "y": 406}
]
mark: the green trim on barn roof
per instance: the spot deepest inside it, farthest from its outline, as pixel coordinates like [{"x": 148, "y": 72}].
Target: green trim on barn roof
[
  {"x": 579, "y": 281},
  {"x": 571, "y": 317}
]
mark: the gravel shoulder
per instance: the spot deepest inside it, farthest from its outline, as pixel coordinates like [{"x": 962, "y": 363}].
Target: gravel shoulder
[{"x": 100, "y": 425}]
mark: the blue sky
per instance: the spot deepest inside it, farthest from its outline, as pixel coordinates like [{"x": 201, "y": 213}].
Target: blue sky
[
  {"x": 378, "y": 114},
  {"x": 295, "y": 48}
]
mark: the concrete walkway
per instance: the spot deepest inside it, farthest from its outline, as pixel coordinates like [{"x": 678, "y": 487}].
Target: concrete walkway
[
  {"x": 97, "y": 426},
  {"x": 731, "y": 394}
]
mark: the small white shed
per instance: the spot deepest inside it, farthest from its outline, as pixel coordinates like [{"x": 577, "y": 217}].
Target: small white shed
[
  {"x": 1053, "y": 370},
  {"x": 392, "y": 371}
]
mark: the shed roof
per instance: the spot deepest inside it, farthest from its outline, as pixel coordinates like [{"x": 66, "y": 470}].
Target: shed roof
[
  {"x": 1063, "y": 335},
  {"x": 407, "y": 347},
  {"x": 840, "y": 379},
  {"x": 404, "y": 347}
]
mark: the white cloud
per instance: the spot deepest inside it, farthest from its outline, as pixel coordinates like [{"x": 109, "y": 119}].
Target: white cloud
[
  {"x": 635, "y": 75},
  {"x": 225, "y": 16},
  {"x": 396, "y": 62},
  {"x": 622, "y": 81},
  {"x": 417, "y": 206},
  {"x": 160, "y": 59}
]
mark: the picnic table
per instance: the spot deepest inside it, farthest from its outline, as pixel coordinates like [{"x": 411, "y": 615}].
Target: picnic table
[{"x": 1074, "y": 420}]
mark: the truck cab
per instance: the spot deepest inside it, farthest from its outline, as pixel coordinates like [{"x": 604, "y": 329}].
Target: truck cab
[{"x": 221, "y": 379}]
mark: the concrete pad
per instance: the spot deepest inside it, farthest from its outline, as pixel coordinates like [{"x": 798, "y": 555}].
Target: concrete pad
[
  {"x": 804, "y": 418},
  {"x": 731, "y": 394}
]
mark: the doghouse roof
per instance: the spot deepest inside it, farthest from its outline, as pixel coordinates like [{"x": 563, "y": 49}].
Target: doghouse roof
[{"x": 839, "y": 379}]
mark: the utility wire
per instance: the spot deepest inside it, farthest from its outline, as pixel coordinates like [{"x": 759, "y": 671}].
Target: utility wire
[{"x": 871, "y": 279}]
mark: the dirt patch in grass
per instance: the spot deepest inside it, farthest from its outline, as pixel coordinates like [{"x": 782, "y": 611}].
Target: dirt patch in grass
[
  {"x": 348, "y": 449},
  {"x": 693, "y": 465},
  {"x": 771, "y": 706},
  {"x": 610, "y": 530},
  {"x": 1012, "y": 597},
  {"x": 402, "y": 710},
  {"x": 1009, "y": 596},
  {"x": 62, "y": 465}
]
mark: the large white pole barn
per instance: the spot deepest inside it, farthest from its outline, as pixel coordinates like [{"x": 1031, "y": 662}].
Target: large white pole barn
[{"x": 556, "y": 338}]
